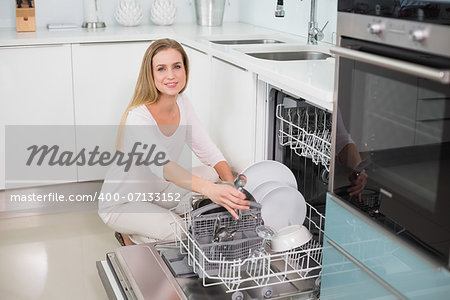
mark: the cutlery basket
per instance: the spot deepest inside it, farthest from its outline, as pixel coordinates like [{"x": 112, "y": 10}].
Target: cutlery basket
[{"x": 203, "y": 223}]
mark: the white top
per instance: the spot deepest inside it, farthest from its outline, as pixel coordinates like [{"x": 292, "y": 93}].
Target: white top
[{"x": 142, "y": 127}]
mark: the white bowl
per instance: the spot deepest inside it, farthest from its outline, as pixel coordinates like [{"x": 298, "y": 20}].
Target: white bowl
[{"x": 290, "y": 237}]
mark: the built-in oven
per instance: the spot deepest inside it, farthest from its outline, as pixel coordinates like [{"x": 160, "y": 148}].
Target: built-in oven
[{"x": 393, "y": 104}]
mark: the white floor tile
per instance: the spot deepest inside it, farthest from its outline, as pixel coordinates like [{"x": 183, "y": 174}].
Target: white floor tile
[{"x": 53, "y": 256}]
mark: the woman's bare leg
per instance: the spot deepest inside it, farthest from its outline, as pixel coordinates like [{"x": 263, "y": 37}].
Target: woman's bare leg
[{"x": 127, "y": 240}]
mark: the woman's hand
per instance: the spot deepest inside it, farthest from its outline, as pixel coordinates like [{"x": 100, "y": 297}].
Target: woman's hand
[
  {"x": 222, "y": 194},
  {"x": 227, "y": 196},
  {"x": 358, "y": 184}
]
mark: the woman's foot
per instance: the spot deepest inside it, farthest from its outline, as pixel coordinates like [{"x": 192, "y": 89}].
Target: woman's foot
[{"x": 124, "y": 239}]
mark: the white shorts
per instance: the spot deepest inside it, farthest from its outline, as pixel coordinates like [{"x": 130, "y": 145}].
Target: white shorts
[{"x": 147, "y": 222}]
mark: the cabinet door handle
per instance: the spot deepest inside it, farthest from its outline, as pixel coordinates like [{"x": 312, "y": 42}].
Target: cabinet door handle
[
  {"x": 195, "y": 49},
  {"x": 366, "y": 270},
  {"x": 442, "y": 76},
  {"x": 87, "y": 44},
  {"x": 33, "y": 46},
  {"x": 231, "y": 64}
]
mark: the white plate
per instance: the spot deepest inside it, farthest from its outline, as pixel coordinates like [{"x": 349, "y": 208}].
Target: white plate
[
  {"x": 283, "y": 206},
  {"x": 268, "y": 170},
  {"x": 261, "y": 190}
]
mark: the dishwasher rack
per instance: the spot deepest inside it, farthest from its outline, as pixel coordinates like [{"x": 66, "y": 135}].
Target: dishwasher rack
[
  {"x": 307, "y": 131},
  {"x": 261, "y": 271}
]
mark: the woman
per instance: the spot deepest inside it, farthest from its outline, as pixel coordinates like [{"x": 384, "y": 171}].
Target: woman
[{"x": 166, "y": 119}]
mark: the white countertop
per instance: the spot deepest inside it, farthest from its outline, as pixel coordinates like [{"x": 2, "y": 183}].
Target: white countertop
[{"x": 310, "y": 80}]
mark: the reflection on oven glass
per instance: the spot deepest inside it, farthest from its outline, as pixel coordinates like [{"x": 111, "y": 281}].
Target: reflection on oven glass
[{"x": 423, "y": 11}]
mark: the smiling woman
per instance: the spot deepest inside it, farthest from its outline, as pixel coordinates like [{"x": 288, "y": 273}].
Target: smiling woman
[
  {"x": 161, "y": 115},
  {"x": 170, "y": 76}
]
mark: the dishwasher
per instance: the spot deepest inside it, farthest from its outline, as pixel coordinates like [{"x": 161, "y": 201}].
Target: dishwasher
[{"x": 298, "y": 134}]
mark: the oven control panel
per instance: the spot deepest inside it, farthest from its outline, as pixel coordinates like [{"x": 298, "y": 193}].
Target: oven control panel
[{"x": 419, "y": 36}]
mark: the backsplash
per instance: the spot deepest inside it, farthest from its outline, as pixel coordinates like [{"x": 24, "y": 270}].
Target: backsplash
[
  {"x": 295, "y": 21},
  {"x": 255, "y": 12},
  {"x": 71, "y": 11}
]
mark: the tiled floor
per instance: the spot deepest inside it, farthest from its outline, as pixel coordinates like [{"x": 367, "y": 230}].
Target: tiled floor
[{"x": 52, "y": 256}]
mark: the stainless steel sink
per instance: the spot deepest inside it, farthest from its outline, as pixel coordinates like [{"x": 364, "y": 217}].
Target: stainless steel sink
[
  {"x": 291, "y": 55},
  {"x": 247, "y": 42}
]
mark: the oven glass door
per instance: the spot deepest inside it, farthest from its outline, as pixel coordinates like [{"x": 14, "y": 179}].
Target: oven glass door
[
  {"x": 436, "y": 11},
  {"x": 399, "y": 121}
]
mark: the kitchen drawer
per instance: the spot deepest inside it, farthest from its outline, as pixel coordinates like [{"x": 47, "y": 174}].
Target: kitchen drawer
[
  {"x": 394, "y": 261},
  {"x": 343, "y": 279}
]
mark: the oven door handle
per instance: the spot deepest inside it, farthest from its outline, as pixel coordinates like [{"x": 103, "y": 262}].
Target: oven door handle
[{"x": 442, "y": 76}]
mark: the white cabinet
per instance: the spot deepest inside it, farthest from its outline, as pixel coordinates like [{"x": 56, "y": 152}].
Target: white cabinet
[
  {"x": 104, "y": 76},
  {"x": 36, "y": 89},
  {"x": 262, "y": 121},
  {"x": 199, "y": 85},
  {"x": 233, "y": 113},
  {"x": 90, "y": 85},
  {"x": 199, "y": 88}
]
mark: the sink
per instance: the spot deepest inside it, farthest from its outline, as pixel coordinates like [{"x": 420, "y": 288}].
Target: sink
[
  {"x": 246, "y": 42},
  {"x": 291, "y": 55}
]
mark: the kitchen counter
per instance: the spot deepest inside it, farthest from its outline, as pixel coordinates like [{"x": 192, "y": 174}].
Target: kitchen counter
[{"x": 310, "y": 80}]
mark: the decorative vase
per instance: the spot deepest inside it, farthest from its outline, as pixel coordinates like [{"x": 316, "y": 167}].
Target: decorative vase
[
  {"x": 163, "y": 12},
  {"x": 129, "y": 13}
]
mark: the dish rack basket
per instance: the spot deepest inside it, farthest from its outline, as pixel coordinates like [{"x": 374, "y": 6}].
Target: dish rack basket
[
  {"x": 306, "y": 130},
  {"x": 202, "y": 228},
  {"x": 249, "y": 271}
]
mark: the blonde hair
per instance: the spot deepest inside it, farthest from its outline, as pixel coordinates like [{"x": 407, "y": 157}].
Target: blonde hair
[{"x": 145, "y": 91}]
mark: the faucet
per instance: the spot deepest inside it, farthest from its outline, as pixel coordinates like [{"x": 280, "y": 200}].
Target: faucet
[
  {"x": 279, "y": 11},
  {"x": 314, "y": 33}
]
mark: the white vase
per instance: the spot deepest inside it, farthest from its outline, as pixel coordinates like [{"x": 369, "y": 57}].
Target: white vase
[
  {"x": 163, "y": 12},
  {"x": 129, "y": 13}
]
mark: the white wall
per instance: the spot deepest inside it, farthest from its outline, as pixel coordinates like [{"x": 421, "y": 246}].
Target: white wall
[
  {"x": 295, "y": 21},
  {"x": 71, "y": 11}
]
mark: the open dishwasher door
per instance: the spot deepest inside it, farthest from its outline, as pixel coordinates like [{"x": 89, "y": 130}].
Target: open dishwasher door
[
  {"x": 159, "y": 271},
  {"x": 138, "y": 272}
]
